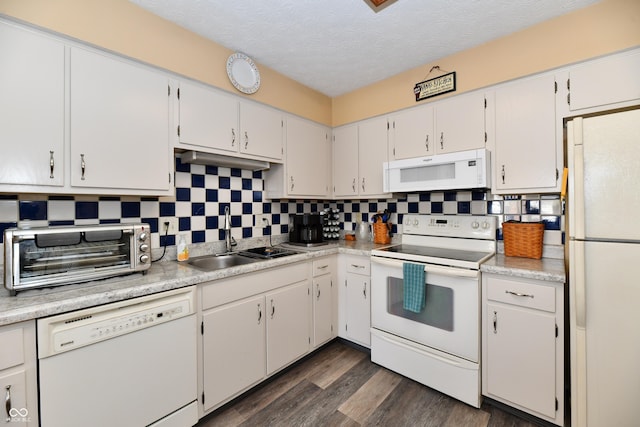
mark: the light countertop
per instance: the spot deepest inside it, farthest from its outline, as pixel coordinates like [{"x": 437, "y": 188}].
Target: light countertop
[
  {"x": 164, "y": 276},
  {"x": 161, "y": 276},
  {"x": 545, "y": 269}
]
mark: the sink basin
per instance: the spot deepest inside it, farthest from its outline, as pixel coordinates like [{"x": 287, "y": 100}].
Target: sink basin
[{"x": 217, "y": 262}]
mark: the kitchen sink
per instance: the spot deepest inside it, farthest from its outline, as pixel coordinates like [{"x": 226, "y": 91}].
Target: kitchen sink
[
  {"x": 267, "y": 252},
  {"x": 218, "y": 262}
]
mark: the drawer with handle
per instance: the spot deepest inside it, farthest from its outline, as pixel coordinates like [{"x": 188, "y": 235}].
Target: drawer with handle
[
  {"x": 521, "y": 293},
  {"x": 358, "y": 265},
  {"x": 321, "y": 266}
]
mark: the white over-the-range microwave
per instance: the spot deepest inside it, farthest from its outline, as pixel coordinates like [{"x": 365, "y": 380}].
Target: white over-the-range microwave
[{"x": 449, "y": 171}]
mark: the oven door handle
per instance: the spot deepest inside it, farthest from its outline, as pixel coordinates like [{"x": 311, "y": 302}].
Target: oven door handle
[{"x": 429, "y": 268}]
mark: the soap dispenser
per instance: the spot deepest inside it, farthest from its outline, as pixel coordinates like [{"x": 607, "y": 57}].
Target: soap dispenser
[{"x": 183, "y": 249}]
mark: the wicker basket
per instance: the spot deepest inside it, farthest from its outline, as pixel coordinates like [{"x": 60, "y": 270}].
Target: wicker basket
[
  {"x": 523, "y": 239},
  {"x": 381, "y": 232}
]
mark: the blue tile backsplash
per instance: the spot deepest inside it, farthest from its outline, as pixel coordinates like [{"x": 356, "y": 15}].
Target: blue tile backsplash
[{"x": 203, "y": 192}]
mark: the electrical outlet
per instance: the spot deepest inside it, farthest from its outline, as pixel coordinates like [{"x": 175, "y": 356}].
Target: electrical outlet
[
  {"x": 173, "y": 225},
  {"x": 260, "y": 220}
]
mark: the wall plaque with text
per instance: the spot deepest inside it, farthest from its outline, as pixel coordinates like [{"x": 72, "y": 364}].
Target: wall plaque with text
[{"x": 436, "y": 86}]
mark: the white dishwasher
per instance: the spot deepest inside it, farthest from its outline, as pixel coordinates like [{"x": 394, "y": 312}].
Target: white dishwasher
[{"x": 130, "y": 363}]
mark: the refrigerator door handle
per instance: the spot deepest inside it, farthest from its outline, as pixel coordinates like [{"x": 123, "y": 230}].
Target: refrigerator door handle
[
  {"x": 576, "y": 178},
  {"x": 578, "y": 267}
]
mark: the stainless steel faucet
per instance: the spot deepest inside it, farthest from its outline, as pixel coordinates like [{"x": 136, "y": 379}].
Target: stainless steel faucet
[{"x": 229, "y": 240}]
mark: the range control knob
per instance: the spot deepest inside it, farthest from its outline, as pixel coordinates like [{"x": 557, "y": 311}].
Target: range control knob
[
  {"x": 142, "y": 236},
  {"x": 416, "y": 222},
  {"x": 144, "y": 247},
  {"x": 144, "y": 258},
  {"x": 486, "y": 225},
  {"x": 475, "y": 225}
]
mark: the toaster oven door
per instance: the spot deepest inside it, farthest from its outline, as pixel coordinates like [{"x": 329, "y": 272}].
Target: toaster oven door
[{"x": 49, "y": 259}]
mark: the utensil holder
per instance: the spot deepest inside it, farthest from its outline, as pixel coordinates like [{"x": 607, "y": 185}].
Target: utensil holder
[{"x": 381, "y": 232}]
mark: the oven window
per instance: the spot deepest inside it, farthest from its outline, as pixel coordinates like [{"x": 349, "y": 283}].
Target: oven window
[{"x": 438, "y": 311}]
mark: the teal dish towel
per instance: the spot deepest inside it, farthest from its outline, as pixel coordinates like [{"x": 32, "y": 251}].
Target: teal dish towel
[{"x": 414, "y": 298}]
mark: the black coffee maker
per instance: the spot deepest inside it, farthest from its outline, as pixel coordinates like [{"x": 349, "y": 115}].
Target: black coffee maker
[{"x": 306, "y": 229}]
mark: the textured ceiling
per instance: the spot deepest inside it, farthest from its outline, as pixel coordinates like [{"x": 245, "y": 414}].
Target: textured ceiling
[{"x": 337, "y": 46}]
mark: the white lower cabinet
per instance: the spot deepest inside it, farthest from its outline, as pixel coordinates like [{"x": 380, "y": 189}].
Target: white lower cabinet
[
  {"x": 324, "y": 300},
  {"x": 355, "y": 300},
  {"x": 253, "y": 325},
  {"x": 233, "y": 348},
  {"x": 288, "y": 316},
  {"x": 18, "y": 376},
  {"x": 523, "y": 345}
]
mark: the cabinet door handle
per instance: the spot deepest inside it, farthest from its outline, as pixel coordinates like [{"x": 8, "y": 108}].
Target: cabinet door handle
[
  {"x": 362, "y": 184},
  {"x": 52, "y": 164},
  {"x": 495, "y": 322},
  {"x": 353, "y": 185},
  {"x": 246, "y": 140},
  {"x": 292, "y": 183},
  {"x": 426, "y": 142},
  {"x": 442, "y": 140},
  {"x": 518, "y": 294},
  {"x": 7, "y": 402},
  {"x": 273, "y": 309},
  {"x": 233, "y": 137},
  {"x": 318, "y": 288},
  {"x": 357, "y": 266},
  {"x": 503, "y": 174},
  {"x": 259, "y": 313},
  {"x": 323, "y": 266},
  {"x": 364, "y": 290},
  {"x": 83, "y": 166}
]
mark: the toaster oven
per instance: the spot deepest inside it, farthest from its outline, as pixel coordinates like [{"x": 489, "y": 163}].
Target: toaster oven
[{"x": 61, "y": 255}]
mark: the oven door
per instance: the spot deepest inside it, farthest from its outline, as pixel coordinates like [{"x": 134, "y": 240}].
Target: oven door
[{"x": 449, "y": 322}]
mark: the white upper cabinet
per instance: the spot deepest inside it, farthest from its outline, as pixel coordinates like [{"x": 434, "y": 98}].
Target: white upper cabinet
[
  {"x": 411, "y": 133},
  {"x": 603, "y": 83},
  {"x": 305, "y": 172},
  {"x": 261, "y": 131},
  {"x": 372, "y": 153},
  {"x": 527, "y": 156},
  {"x": 207, "y": 118},
  {"x": 119, "y": 115},
  {"x": 345, "y": 161},
  {"x": 31, "y": 108},
  {"x": 460, "y": 123},
  {"x": 359, "y": 150},
  {"x": 212, "y": 121},
  {"x": 454, "y": 124}
]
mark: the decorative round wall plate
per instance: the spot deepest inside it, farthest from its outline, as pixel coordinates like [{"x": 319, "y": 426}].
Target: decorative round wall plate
[{"x": 243, "y": 73}]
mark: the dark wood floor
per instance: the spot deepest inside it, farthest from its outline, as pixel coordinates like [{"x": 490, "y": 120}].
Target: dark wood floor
[{"x": 339, "y": 386}]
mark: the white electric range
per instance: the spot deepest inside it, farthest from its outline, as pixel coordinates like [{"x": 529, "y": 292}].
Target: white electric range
[{"x": 438, "y": 346}]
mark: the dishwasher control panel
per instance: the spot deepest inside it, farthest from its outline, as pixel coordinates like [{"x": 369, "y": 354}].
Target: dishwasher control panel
[{"x": 69, "y": 331}]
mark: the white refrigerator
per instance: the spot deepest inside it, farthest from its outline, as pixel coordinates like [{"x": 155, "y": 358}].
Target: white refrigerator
[{"x": 604, "y": 268}]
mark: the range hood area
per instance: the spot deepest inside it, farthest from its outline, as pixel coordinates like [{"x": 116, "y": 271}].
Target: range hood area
[{"x": 210, "y": 159}]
